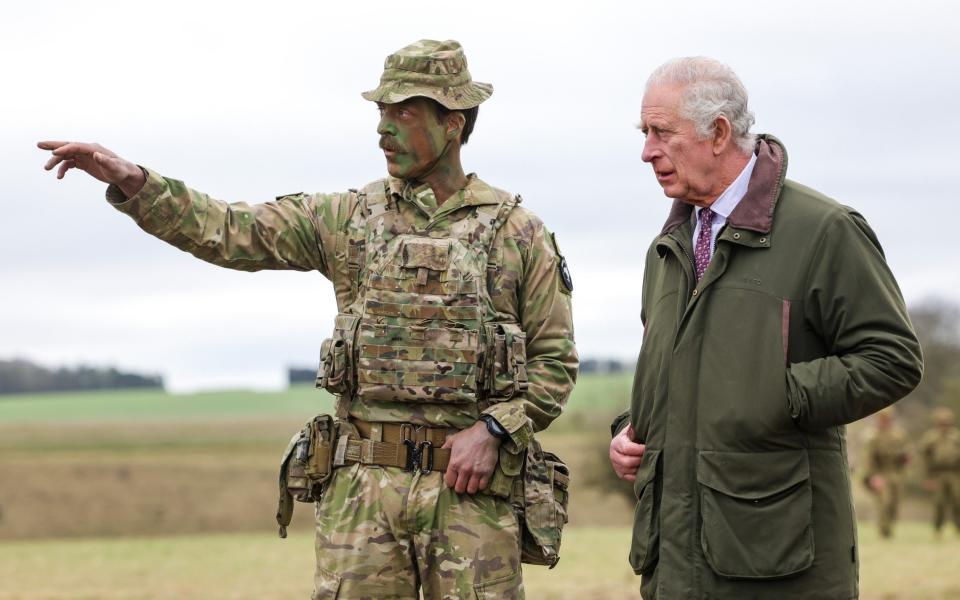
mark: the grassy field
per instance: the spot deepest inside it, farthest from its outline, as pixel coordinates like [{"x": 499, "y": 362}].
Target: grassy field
[
  {"x": 603, "y": 394},
  {"x": 261, "y": 566},
  {"x": 148, "y": 495}
]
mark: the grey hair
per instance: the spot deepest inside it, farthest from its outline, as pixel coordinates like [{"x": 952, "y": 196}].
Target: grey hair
[{"x": 710, "y": 89}]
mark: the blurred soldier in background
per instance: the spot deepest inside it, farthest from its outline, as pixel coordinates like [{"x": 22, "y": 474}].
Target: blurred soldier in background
[
  {"x": 453, "y": 345},
  {"x": 884, "y": 463},
  {"x": 940, "y": 451}
]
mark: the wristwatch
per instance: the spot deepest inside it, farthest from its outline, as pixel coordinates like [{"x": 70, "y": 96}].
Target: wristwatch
[{"x": 494, "y": 426}]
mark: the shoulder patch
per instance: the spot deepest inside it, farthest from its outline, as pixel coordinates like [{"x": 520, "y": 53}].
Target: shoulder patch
[{"x": 565, "y": 276}]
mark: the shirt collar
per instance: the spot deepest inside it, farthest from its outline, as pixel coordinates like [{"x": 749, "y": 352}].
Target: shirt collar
[{"x": 735, "y": 192}]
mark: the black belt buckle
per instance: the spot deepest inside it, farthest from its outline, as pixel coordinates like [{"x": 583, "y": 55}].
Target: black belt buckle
[{"x": 416, "y": 454}]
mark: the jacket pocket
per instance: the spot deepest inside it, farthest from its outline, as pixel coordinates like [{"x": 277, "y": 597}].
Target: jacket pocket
[
  {"x": 743, "y": 495},
  {"x": 337, "y": 364},
  {"x": 645, "y": 546},
  {"x": 504, "y": 588},
  {"x": 326, "y": 585}
]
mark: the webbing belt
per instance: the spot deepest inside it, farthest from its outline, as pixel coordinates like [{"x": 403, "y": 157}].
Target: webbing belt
[{"x": 403, "y": 445}]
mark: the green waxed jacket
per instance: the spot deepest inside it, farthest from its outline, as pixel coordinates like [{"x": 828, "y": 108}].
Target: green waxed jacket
[{"x": 743, "y": 386}]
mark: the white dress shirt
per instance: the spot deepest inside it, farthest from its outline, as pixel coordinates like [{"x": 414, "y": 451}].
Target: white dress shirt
[{"x": 725, "y": 204}]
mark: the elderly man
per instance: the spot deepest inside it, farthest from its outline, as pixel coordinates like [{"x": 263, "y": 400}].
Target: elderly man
[
  {"x": 771, "y": 320},
  {"x": 454, "y": 343}
]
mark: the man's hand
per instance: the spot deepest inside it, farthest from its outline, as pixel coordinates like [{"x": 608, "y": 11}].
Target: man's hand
[
  {"x": 626, "y": 454},
  {"x": 473, "y": 457},
  {"x": 96, "y": 161}
]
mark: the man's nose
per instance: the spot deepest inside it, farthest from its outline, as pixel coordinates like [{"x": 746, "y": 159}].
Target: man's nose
[
  {"x": 650, "y": 150},
  {"x": 385, "y": 127}
]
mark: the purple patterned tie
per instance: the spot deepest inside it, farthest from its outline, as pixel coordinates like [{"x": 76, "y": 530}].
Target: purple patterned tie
[{"x": 702, "y": 252}]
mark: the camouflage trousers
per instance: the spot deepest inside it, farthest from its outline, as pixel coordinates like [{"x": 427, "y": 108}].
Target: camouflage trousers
[
  {"x": 383, "y": 532},
  {"x": 946, "y": 499},
  {"x": 887, "y": 502}
]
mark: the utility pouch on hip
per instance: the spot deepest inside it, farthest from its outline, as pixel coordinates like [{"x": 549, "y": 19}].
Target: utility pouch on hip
[
  {"x": 541, "y": 505},
  {"x": 505, "y": 360},
  {"x": 337, "y": 372},
  {"x": 306, "y": 466},
  {"x": 508, "y": 473}
]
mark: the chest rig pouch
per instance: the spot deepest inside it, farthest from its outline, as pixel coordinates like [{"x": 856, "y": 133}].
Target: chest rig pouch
[{"x": 416, "y": 331}]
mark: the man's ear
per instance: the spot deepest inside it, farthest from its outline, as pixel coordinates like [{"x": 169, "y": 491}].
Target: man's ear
[
  {"x": 722, "y": 135},
  {"x": 455, "y": 123}
]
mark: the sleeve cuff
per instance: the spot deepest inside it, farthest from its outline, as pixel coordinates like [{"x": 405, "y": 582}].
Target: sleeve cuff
[
  {"x": 515, "y": 422},
  {"x": 619, "y": 424},
  {"x": 144, "y": 201}
]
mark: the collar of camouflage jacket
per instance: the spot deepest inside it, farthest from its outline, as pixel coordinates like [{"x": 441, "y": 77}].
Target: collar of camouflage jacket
[
  {"x": 755, "y": 211},
  {"x": 475, "y": 193}
]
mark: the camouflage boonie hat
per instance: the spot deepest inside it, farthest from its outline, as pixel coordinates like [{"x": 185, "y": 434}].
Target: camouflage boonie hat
[{"x": 436, "y": 70}]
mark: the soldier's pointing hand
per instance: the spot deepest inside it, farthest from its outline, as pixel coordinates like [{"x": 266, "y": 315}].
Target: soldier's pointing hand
[{"x": 97, "y": 161}]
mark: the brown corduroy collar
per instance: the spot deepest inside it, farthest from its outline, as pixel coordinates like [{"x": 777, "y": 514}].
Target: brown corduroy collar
[{"x": 755, "y": 210}]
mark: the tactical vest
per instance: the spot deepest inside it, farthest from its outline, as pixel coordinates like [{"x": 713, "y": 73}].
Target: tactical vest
[{"x": 420, "y": 328}]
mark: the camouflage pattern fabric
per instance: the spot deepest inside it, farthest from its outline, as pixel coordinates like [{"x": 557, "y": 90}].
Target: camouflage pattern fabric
[
  {"x": 371, "y": 520},
  {"x": 886, "y": 455},
  {"x": 432, "y": 69},
  {"x": 423, "y": 305},
  {"x": 940, "y": 450},
  {"x": 525, "y": 291},
  {"x": 327, "y": 233}
]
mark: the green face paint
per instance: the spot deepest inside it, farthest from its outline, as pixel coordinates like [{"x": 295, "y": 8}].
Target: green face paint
[{"x": 413, "y": 140}]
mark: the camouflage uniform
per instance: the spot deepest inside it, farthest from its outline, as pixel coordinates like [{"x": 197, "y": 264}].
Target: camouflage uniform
[
  {"x": 886, "y": 456},
  {"x": 940, "y": 450},
  {"x": 382, "y": 531}
]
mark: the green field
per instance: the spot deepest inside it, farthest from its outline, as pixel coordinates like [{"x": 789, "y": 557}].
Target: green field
[
  {"x": 603, "y": 394},
  {"x": 108, "y": 495},
  {"x": 261, "y": 566}
]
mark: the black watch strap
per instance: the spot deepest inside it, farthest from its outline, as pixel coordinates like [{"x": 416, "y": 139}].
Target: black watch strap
[{"x": 494, "y": 426}]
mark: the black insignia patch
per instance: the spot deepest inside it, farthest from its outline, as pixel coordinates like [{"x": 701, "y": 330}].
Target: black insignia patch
[{"x": 565, "y": 275}]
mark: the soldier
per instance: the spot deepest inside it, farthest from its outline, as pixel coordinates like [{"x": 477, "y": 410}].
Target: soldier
[
  {"x": 940, "y": 450},
  {"x": 885, "y": 460},
  {"x": 453, "y": 345}
]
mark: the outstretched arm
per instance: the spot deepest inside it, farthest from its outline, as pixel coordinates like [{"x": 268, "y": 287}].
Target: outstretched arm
[{"x": 294, "y": 232}]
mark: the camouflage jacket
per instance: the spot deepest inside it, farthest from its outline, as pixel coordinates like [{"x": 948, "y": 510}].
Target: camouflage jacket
[
  {"x": 309, "y": 232},
  {"x": 885, "y": 452},
  {"x": 941, "y": 451}
]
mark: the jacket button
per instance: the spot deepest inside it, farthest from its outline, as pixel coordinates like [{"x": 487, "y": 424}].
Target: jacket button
[
  {"x": 694, "y": 292},
  {"x": 736, "y": 236},
  {"x": 763, "y": 240}
]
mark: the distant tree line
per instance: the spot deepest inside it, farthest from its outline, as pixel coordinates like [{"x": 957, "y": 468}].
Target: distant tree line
[{"x": 20, "y": 376}]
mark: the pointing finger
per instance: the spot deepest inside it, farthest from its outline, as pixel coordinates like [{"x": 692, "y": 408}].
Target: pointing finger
[{"x": 50, "y": 145}]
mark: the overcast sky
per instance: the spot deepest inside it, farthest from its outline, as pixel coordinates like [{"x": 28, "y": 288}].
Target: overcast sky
[{"x": 247, "y": 101}]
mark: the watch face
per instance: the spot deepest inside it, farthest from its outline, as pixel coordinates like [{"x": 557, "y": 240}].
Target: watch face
[{"x": 493, "y": 426}]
